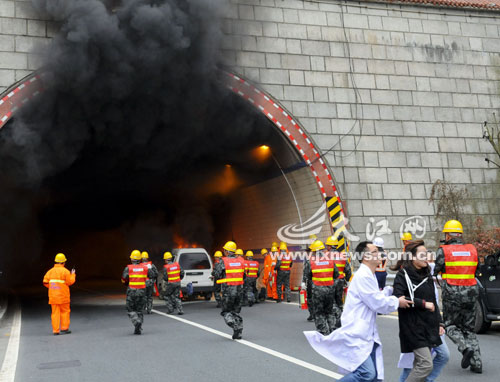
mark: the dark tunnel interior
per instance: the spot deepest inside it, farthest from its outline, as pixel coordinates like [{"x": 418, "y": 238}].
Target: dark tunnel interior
[{"x": 161, "y": 196}]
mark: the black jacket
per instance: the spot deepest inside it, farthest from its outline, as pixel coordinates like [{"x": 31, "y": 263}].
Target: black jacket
[{"x": 418, "y": 327}]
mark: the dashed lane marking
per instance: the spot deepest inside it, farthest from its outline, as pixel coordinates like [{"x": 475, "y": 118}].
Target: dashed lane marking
[
  {"x": 252, "y": 345},
  {"x": 8, "y": 371}
]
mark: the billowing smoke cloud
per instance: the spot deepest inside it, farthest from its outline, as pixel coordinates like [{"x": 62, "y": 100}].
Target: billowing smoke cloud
[{"x": 131, "y": 104}]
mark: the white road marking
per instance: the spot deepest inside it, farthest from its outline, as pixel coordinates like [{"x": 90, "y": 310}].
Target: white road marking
[
  {"x": 8, "y": 371},
  {"x": 263, "y": 349}
]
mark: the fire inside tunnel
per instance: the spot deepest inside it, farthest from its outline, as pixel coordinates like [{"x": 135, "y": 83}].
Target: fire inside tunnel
[{"x": 238, "y": 178}]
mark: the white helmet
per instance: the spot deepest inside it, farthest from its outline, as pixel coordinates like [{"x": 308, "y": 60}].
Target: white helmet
[{"x": 379, "y": 242}]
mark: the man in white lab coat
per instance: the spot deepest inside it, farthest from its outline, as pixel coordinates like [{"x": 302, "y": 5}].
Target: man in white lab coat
[{"x": 356, "y": 347}]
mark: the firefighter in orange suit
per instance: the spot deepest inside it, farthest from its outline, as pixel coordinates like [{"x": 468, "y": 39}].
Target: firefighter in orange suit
[
  {"x": 457, "y": 262},
  {"x": 269, "y": 277},
  {"x": 58, "y": 280}
]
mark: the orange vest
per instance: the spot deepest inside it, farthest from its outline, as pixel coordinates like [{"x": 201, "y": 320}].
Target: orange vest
[
  {"x": 340, "y": 261},
  {"x": 235, "y": 268},
  {"x": 173, "y": 272},
  {"x": 460, "y": 264},
  {"x": 137, "y": 275},
  {"x": 58, "y": 280},
  {"x": 286, "y": 263},
  {"x": 251, "y": 269},
  {"x": 322, "y": 272},
  {"x": 381, "y": 266}
]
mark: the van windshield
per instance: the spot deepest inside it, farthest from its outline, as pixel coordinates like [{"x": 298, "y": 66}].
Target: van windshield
[{"x": 194, "y": 261}]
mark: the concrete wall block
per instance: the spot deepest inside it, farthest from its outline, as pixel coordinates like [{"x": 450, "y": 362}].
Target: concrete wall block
[
  {"x": 364, "y": 81},
  {"x": 455, "y": 160},
  {"x": 434, "y": 160},
  {"x": 322, "y": 110},
  {"x": 403, "y": 83},
  {"x": 7, "y": 43},
  {"x": 370, "y": 143},
  {"x": 452, "y": 145},
  {"x": 398, "y": 209},
  {"x": 292, "y": 31},
  {"x": 246, "y": 12},
  {"x": 371, "y": 159},
  {"x": 395, "y": 24},
  {"x": 384, "y": 97},
  {"x": 377, "y": 208},
  {"x": 373, "y": 175},
  {"x": 475, "y": 160},
  {"x": 341, "y": 95},
  {"x": 381, "y": 66},
  {"x": 318, "y": 79},
  {"x": 419, "y": 207},
  {"x": 251, "y": 59},
  {"x": 356, "y": 21},
  {"x": 247, "y": 28},
  {"x": 375, "y": 191},
  {"x": 389, "y": 128},
  {"x": 293, "y": 47},
  {"x": 6, "y": 77},
  {"x": 337, "y": 64},
  {"x": 298, "y": 93},
  {"x": 465, "y": 100},
  {"x": 430, "y": 129},
  {"x": 403, "y": 112},
  {"x": 37, "y": 28},
  {"x": 355, "y": 191},
  {"x": 396, "y": 191},
  {"x": 315, "y": 48},
  {"x": 291, "y": 16},
  {"x": 459, "y": 176},
  {"x": 10, "y": 60},
  {"x": 7, "y": 8},
  {"x": 13, "y": 26},
  {"x": 272, "y": 45},
  {"x": 26, "y": 44},
  {"x": 274, "y": 76},
  {"x": 417, "y": 175},
  {"x": 355, "y": 208},
  {"x": 394, "y": 175},
  {"x": 313, "y": 18},
  {"x": 25, "y": 10},
  {"x": 294, "y": 61},
  {"x": 413, "y": 160},
  {"x": 269, "y": 14},
  {"x": 392, "y": 159},
  {"x": 321, "y": 95}
]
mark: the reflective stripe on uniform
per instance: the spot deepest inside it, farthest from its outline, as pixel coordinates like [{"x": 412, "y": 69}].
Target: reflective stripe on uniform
[
  {"x": 229, "y": 280},
  {"x": 233, "y": 271},
  {"x": 457, "y": 277},
  {"x": 136, "y": 283},
  {"x": 57, "y": 281},
  {"x": 460, "y": 263},
  {"x": 322, "y": 278},
  {"x": 322, "y": 270}
]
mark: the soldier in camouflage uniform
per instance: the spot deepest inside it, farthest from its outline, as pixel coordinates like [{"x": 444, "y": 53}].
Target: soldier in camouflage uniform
[
  {"x": 458, "y": 264},
  {"x": 230, "y": 273},
  {"x": 135, "y": 276},
  {"x": 251, "y": 274},
  {"x": 150, "y": 282},
  {"x": 321, "y": 274},
  {"x": 283, "y": 266},
  {"x": 344, "y": 266},
  {"x": 217, "y": 287},
  {"x": 307, "y": 284},
  {"x": 172, "y": 275}
]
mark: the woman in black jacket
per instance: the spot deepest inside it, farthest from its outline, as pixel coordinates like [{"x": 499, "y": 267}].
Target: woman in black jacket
[{"x": 419, "y": 325}]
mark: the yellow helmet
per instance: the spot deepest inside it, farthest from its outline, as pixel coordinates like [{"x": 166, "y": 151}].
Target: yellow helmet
[
  {"x": 230, "y": 246},
  {"x": 317, "y": 246},
  {"x": 145, "y": 255},
  {"x": 274, "y": 244},
  {"x": 218, "y": 254},
  {"x": 331, "y": 241},
  {"x": 453, "y": 226},
  {"x": 167, "y": 256},
  {"x": 239, "y": 252},
  {"x": 406, "y": 236},
  {"x": 135, "y": 255},
  {"x": 313, "y": 237},
  {"x": 249, "y": 254},
  {"x": 283, "y": 246},
  {"x": 274, "y": 249},
  {"x": 263, "y": 251},
  {"x": 60, "y": 258}
]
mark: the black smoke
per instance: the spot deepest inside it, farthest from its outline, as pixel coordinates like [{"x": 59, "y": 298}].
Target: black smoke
[{"x": 132, "y": 123}]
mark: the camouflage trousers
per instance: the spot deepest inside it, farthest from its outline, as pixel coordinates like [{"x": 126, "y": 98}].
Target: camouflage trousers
[
  {"x": 149, "y": 297},
  {"x": 459, "y": 314},
  {"x": 136, "y": 303},
  {"x": 249, "y": 291},
  {"x": 173, "y": 297},
  {"x": 338, "y": 304},
  {"x": 217, "y": 292},
  {"x": 324, "y": 298},
  {"x": 283, "y": 280},
  {"x": 231, "y": 306}
]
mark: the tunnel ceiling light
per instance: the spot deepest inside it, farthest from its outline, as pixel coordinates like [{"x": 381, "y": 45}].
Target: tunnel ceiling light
[{"x": 264, "y": 147}]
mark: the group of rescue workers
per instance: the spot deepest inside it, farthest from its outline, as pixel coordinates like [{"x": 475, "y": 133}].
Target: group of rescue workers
[{"x": 326, "y": 272}]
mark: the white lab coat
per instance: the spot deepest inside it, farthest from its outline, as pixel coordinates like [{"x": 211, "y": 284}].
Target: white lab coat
[{"x": 349, "y": 346}]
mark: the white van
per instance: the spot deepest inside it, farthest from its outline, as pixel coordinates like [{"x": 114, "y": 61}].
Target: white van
[{"x": 197, "y": 266}]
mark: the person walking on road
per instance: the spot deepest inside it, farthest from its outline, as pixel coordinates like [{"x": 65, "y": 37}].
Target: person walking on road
[
  {"x": 135, "y": 276},
  {"x": 420, "y": 325},
  {"x": 58, "y": 280},
  {"x": 251, "y": 273},
  {"x": 356, "y": 345},
  {"x": 217, "y": 287},
  {"x": 172, "y": 276},
  {"x": 283, "y": 267},
  {"x": 322, "y": 274},
  {"x": 230, "y": 272},
  {"x": 344, "y": 266},
  {"x": 458, "y": 264},
  {"x": 150, "y": 282}
]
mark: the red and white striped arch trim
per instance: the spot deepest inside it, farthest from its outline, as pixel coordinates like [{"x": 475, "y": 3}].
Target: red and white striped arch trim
[
  {"x": 31, "y": 86},
  {"x": 292, "y": 130}
]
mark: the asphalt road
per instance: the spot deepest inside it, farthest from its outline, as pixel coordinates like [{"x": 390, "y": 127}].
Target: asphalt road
[{"x": 102, "y": 346}]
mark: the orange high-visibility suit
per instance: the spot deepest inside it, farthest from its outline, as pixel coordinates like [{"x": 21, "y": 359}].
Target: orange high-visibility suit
[
  {"x": 58, "y": 280},
  {"x": 269, "y": 276}
]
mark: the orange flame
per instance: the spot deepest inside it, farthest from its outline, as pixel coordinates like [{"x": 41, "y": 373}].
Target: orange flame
[{"x": 182, "y": 243}]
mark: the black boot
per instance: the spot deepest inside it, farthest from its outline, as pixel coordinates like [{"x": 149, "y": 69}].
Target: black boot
[
  {"x": 310, "y": 318},
  {"x": 467, "y": 355},
  {"x": 237, "y": 334},
  {"x": 137, "y": 328},
  {"x": 478, "y": 370},
  {"x": 219, "y": 305}
]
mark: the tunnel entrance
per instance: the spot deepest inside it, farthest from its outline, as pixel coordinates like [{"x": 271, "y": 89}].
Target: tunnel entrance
[{"x": 240, "y": 175}]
